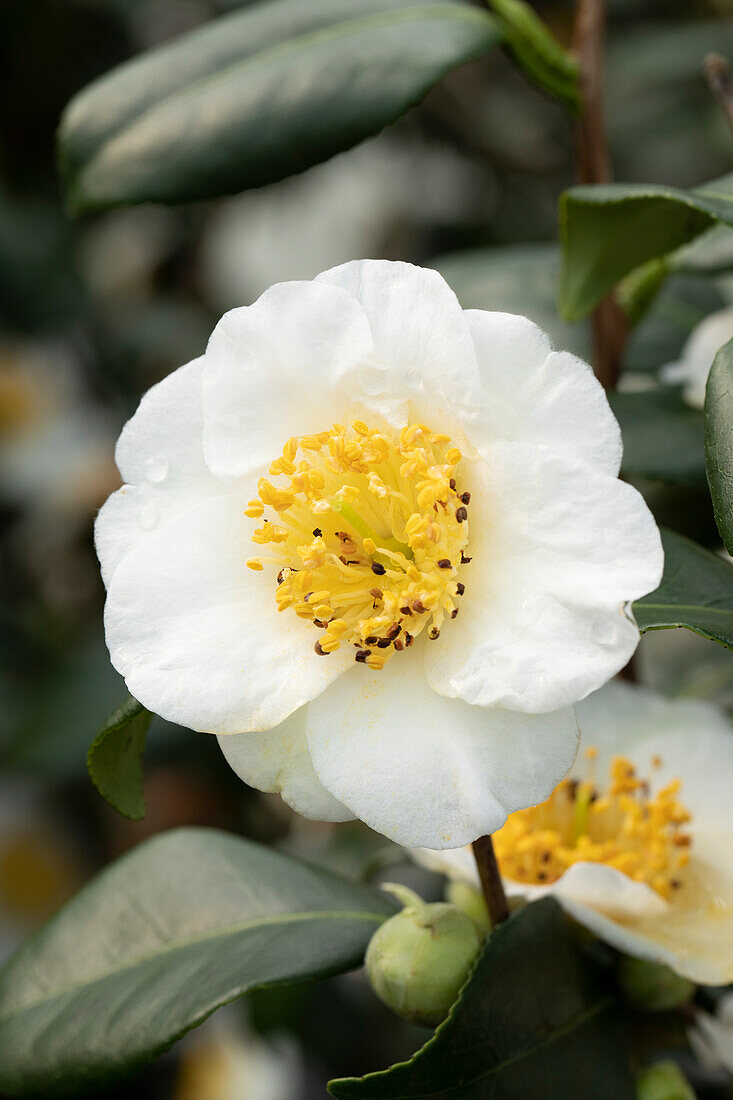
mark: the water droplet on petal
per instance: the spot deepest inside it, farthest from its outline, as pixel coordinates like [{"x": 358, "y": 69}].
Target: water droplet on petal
[
  {"x": 156, "y": 469},
  {"x": 148, "y": 516},
  {"x": 372, "y": 381}
]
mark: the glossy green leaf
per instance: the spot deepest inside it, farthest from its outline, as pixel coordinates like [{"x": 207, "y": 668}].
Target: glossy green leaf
[
  {"x": 719, "y": 441},
  {"x": 537, "y": 51},
  {"x": 696, "y": 592},
  {"x": 610, "y": 230},
  {"x": 183, "y": 924},
  {"x": 258, "y": 94},
  {"x": 534, "y": 1021},
  {"x": 114, "y": 756},
  {"x": 663, "y": 436}
]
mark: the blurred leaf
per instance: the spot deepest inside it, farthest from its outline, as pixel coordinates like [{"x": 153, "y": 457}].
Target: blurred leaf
[
  {"x": 519, "y": 278},
  {"x": 610, "y": 230},
  {"x": 663, "y": 436},
  {"x": 537, "y": 51},
  {"x": 114, "y": 755},
  {"x": 683, "y": 301},
  {"x": 183, "y": 924},
  {"x": 257, "y": 95},
  {"x": 696, "y": 592},
  {"x": 533, "y": 1021},
  {"x": 719, "y": 441}
]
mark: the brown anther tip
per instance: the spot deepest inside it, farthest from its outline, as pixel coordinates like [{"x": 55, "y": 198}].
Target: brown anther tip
[
  {"x": 394, "y": 630},
  {"x": 405, "y": 610},
  {"x": 317, "y": 533},
  {"x": 321, "y": 652},
  {"x": 362, "y": 654},
  {"x": 541, "y": 876},
  {"x": 408, "y": 639},
  {"x": 399, "y": 646},
  {"x": 418, "y": 607},
  {"x": 675, "y": 883},
  {"x": 371, "y": 640},
  {"x": 342, "y": 559},
  {"x": 384, "y": 643},
  {"x": 460, "y": 588},
  {"x": 378, "y": 568},
  {"x": 376, "y": 593},
  {"x": 319, "y": 623},
  {"x": 445, "y": 563},
  {"x": 465, "y": 498},
  {"x": 452, "y": 483},
  {"x": 454, "y": 612},
  {"x": 461, "y": 514},
  {"x": 433, "y": 633},
  {"x": 464, "y": 559},
  {"x": 280, "y": 577}
]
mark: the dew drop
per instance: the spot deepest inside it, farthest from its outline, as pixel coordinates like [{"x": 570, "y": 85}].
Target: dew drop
[
  {"x": 156, "y": 469},
  {"x": 603, "y": 632},
  {"x": 372, "y": 381},
  {"x": 148, "y": 516}
]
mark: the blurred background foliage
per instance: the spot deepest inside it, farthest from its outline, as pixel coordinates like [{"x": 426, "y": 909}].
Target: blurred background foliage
[{"x": 93, "y": 312}]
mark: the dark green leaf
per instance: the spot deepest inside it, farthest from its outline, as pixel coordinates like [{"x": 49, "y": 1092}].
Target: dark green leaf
[
  {"x": 537, "y": 51},
  {"x": 114, "y": 755},
  {"x": 719, "y": 441},
  {"x": 610, "y": 230},
  {"x": 683, "y": 301},
  {"x": 259, "y": 94},
  {"x": 696, "y": 592},
  {"x": 185, "y": 923},
  {"x": 534, "y": 1021},
  {"x": 663, "y": 437}
]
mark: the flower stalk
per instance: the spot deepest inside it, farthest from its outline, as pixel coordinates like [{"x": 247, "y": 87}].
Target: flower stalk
[{"x": 490, "y": 876}]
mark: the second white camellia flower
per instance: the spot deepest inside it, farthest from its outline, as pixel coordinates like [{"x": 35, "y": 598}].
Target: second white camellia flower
[{"x": 378, "y": 544}]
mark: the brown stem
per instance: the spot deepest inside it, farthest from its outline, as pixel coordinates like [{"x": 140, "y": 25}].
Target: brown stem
[
  {"x": 592, "y": 165},
  {"x": 718, "y": 75},
  {"x": 491, "y": 883}
]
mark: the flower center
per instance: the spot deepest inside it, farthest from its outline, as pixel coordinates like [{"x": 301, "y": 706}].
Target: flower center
[
  {"x": 370, "y": 530},
  {"x": 626, "y": 828}
]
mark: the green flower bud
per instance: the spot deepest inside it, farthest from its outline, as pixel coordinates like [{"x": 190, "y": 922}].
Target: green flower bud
[
  {"x": 470, "y": 901},
  {"x": 419, "y": 959},
  {"x": 663, "y": 1081},
  {"x": 651, "y": 986}
]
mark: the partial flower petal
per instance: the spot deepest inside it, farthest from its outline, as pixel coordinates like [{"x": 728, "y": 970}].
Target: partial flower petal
[
  {"x": 429, "y": 771},
  {"x": 196, "y": 634},
  {"x": 160, "y": 456},
  {"x": 424, "y": 364},
  {"x": 534, "y": 395},
  {"x": 556, "y": 551},
  {"x": 291, "y": 364},
  {"x": 279, "y": 761}
]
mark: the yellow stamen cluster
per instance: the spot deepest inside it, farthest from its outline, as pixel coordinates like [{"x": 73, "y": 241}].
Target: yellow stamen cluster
[
  {"x": 370, "y": 530},
  {"x": 625, "y": 828}
]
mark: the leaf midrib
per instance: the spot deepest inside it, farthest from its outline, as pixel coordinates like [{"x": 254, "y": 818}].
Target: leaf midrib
[
  {"x": 202, "y": 937},
  {"x": 528, "y": 1052},
  {"x": 284, "y": 49}
]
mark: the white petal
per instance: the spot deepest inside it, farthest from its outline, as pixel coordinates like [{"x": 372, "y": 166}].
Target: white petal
[
  {"x": 160, "y": 456},
  {"x": 421, "y": 341},
  {"x": 557, "y": 551},
  {"x": 534, "y": 395},
  {"x": 429, "y": 771},
  {"x": 279, "y": 761},
  {"x": 288, "y": 365},
  {"x": 196, "y": 634}
]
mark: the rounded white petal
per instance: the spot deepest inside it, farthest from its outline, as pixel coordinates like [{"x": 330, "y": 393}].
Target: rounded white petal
[
  {"x": 557, "y": 552},
  {"x": 160, "y": 457},
  {"x": 196, "y": 634},
  {"x": 534, "y": 395},
  {"x": 424, "y": 363},
  {"x": 701, "y": 347},
  {"x": 279, "y": 761},
  {"x": 291, "y": 364},
  {"x": 429, "y": 771}
]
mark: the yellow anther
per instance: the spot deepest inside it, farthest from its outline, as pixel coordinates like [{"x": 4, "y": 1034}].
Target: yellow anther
[
  {"x": 254, "y": 509},
  {"x": 255, "y": 563}
]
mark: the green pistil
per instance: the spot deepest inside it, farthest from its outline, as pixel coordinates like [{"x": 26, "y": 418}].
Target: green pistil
[
  {"x": 583, "y": 800},
  {"x": 362, "y": 527}
]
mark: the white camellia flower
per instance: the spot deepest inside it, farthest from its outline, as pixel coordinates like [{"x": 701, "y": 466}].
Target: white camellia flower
[
  {"x": 702, "y": 345},
  {"x": 637, "y": 845},
  {"x": 308, "y": 507}
]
